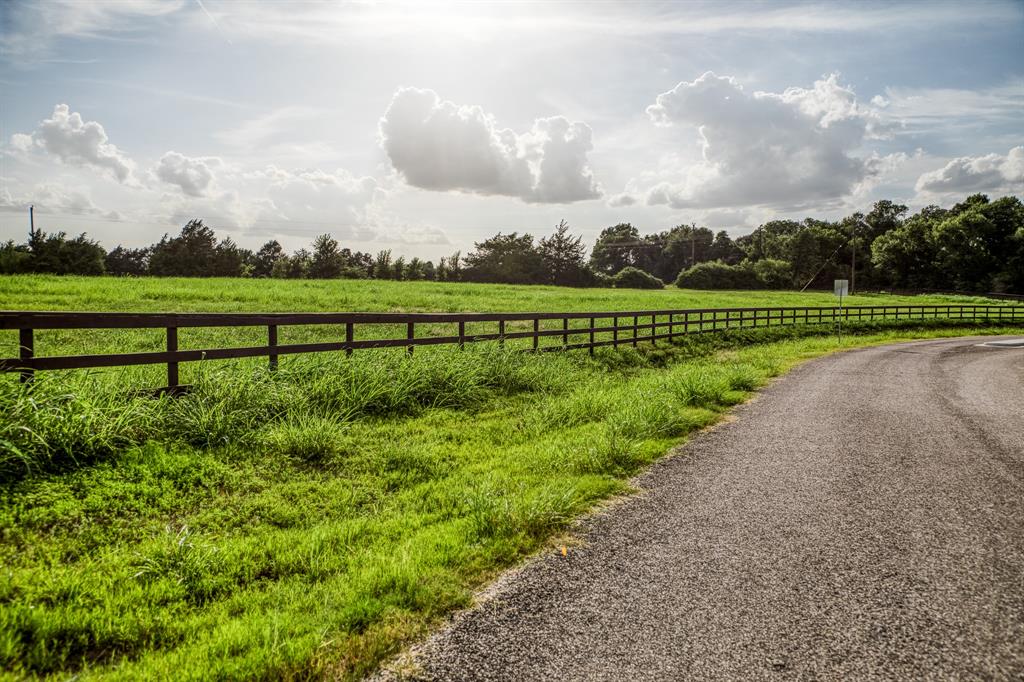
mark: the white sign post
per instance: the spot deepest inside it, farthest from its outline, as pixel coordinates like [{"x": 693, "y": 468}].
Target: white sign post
[{"x": 842, "y": 288}]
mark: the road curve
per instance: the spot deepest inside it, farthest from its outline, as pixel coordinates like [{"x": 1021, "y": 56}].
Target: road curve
[{"x": 863, "y": 518}]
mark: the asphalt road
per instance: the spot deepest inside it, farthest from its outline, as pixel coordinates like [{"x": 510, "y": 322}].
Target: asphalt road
[{"x": 863, "y": 518}]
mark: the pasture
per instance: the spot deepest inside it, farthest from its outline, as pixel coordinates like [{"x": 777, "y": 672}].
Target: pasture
[
  {"x": 43, "y": 292},
  {"x": 311, "y": 522}
]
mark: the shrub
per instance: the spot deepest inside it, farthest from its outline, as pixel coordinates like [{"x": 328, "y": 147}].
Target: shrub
[
  {"x": 773, "y": 273},
  {"x": 718, "y": 275},
  {"x": 634, "y": 278}
]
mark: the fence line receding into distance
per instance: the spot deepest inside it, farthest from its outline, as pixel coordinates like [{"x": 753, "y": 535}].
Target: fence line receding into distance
[{"x": 599, "y": 329}]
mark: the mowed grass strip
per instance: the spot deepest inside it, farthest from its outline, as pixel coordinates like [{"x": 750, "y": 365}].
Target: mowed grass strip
[{"x": 310, "y": 523}]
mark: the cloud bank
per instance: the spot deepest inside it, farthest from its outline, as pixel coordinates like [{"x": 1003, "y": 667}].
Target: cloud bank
[
  {"x": 76, "y": 142},
  {"x": 438, "y": 145},
  {"x": 988, "y": 173},
  {"x": 55, "y": 199},
  {"x": 766, "y": 148}
]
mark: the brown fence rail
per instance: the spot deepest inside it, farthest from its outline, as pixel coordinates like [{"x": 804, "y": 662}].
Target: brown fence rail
[{"x": 641, "y": 326}]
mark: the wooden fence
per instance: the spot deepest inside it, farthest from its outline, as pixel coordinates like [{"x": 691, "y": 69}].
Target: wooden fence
[{"x": 613, "y": 328}]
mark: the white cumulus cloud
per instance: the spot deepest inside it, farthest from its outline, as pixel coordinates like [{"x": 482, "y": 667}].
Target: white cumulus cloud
[
  {"x": 438, "y": 145},
  {"x": 766, "y": 148},
  {"x": 76, "y": 142},
  {"x": 194, "y": 176},
  {"x": 991, "y": 173}
]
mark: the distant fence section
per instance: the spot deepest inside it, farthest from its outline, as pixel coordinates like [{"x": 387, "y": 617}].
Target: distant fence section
[{"x": 573, "y": 330}]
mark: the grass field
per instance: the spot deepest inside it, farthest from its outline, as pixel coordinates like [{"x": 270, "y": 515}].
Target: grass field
[
  {"x": 47, "y": 292},
  {"x": 147, "y": 294},
  {"x": 310, "y": 522}
]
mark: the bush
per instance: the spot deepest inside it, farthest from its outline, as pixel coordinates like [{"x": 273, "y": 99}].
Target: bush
[
  {"x": 718, "y": 275},
  {"x": 634, "y": 278},
  {"x": 773, "y": 273}
]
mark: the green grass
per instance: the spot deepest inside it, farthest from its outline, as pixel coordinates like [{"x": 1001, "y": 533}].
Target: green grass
[
  {"x": 149, "y": 294},
  {"x": 311, "y": 522},
  {"x": 48, "y": 292}
]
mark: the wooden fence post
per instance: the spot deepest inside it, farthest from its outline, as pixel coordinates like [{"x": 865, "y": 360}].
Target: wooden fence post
[
  {"x": 591, "y": 335},
  {"x": 272, "y": 342},
  {"x": 462, "y": 334},
  {"x": 654, "y": 330},
  {"x": 27, "y": 351},
  {"x": 636, "y": 329},
  {"x": 501, "y": 333},
  {"x": 615, "y": 332},
  {"x": 172, "y": 366},
  {"x": 536, "y": 333},
  {"x": 565, "y": 326},
  {"x": 409, "y": 335},
  {"x": 349, "y": 335}
]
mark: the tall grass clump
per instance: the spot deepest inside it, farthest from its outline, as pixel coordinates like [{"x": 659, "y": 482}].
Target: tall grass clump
[
  {"x": 699, "y": 385},
  {"x": 47, "y": 426},
  {"x": 612, "y": 453},
  {"x": 499, "y": 510},
  {"x": 391, "y": 384},
  {"x": 310, "y": 438},
  {"x": 225, "y": 406}
]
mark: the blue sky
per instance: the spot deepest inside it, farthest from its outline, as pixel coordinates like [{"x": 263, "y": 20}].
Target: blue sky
[{"x": 424, "y": 127}]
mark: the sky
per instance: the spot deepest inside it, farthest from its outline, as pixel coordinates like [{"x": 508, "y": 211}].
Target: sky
[{"x": 426, "y": 127}]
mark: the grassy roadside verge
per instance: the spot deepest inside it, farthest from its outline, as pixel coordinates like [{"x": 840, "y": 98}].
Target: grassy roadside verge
[{"x": 310, "y": 523}]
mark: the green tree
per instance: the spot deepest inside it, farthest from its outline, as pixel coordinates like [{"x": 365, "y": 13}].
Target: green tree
[
  {"x": 684, "y": 247},
  {"x": 616, "y": 248},
  {"x": 326, "y": 262},
  {"x": 725, "y": 249},
  {"x": 382, "y": 265},
  {"x": 905, "y": 257},
  {"x": 414, "y": 270},
  {"x": 57, "y": 254},
  {"x": 14, "y": 258},
  {"x": 295, "y": 266},
  {"x": 398, "y": 269},
  {"x": 505, "y": 258},
  {"x": 230, "y": 260},
  {"x": 190, "y": 254},
  {"x": 449, "y": 269},
  {"x": 975, "y": 246},
  {"x": 122, "y": 261},
  {"x": 562, "y": 256},
  {"x": 265, "y": 259}
]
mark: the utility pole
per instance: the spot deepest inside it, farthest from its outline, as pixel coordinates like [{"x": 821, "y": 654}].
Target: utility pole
[
  {"x": 853, "y": 265},
  {"x": 853, "y": 253},
  {"x": 31, "y": 223}
]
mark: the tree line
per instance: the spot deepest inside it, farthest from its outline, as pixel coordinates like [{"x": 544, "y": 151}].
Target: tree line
[{"x": 977, "y": 245}]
